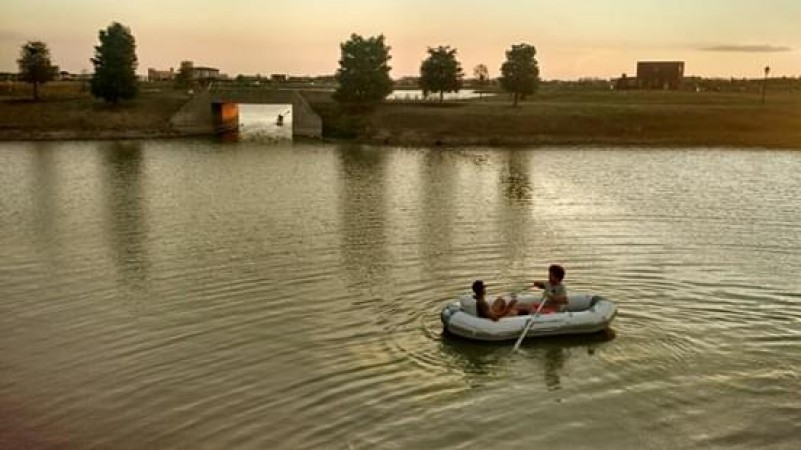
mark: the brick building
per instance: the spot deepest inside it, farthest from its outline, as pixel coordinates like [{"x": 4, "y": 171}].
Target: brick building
[
  {"x": 666, "y": 75},
  {"x": 160, "y": 75}
]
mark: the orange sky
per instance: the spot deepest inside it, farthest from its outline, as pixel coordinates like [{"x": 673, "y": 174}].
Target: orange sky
[{"x": 574, "y": 38}]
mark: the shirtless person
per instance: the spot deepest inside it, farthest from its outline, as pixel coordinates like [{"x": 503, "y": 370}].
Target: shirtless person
[{"x": 499, "y": 307}]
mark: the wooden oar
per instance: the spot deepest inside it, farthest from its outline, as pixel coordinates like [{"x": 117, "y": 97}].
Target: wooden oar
[{"x": 529, "y": 323}]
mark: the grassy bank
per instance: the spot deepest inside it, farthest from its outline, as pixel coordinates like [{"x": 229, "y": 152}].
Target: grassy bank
[
  {"x": 67, "y": 111},
  {"x": 553, "y": 116},
  {"x": 585, "y": 117}
]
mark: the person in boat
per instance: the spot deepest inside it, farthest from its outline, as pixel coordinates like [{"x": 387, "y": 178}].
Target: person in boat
[
  {"x": 499, "y": 307},
  {"x": 554, "y": 291}
]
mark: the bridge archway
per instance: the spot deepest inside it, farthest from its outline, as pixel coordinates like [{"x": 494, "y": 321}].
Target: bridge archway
[{"x": 216, "y": 111}]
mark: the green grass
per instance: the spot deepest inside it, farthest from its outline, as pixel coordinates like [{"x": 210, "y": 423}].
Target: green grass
[
  {"x": 552, "y": 116},
  {"x": 67, "y": 110},
  {"x": 596, "y": 117}
]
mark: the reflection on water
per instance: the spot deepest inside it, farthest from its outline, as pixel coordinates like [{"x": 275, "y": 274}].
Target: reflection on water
[
  {"x": 483, "y": 361},
  {"x": 45, "y": 196},
  {"x": 517, "y": 186},
  {"x": 516, "y": 216},
  {"x": 439, "y": 182},
  {"x": 126, "y": 210},
  {"x": 363, "y": 217},
  {"x": 185, "y": 293}
]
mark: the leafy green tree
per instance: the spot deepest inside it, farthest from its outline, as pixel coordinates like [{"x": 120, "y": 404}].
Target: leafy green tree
[
  {"x": 520, "y": 74},
  {"x": 35, "y": 66},
  {"x": 115, "y": 65},
  {"x": 363, "y": 73},
  {"x": 482, "y": 77},
  {"x": 440, "y": 72}
]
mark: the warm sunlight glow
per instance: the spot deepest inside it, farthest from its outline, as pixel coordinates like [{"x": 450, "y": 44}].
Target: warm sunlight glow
[{"x": 574, "y": 39}]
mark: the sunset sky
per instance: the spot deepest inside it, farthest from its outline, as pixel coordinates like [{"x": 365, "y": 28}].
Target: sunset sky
[{"x": 574, "y": 38}]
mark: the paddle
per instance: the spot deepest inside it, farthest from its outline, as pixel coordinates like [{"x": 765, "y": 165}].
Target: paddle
[{"x": 530, "y": 322}]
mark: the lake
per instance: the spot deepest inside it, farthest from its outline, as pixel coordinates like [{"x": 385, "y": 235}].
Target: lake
[
  {"x": 417, "y": 95},
  {"x": 270, "y": 294}
]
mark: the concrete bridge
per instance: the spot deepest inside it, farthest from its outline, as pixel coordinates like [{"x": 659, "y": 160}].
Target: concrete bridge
[{"x": 216, "y": 110}]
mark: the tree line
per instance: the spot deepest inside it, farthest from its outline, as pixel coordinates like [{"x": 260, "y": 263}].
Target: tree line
[
  {"x": 114, "y": 62},
  {"x": 363, "y": 74}
]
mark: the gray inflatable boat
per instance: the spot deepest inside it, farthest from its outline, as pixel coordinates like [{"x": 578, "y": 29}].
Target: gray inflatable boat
[{"x": 584, "y": 314}]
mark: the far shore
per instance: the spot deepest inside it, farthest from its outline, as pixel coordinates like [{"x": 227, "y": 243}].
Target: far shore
[
  {"x": 548, "y": 118},
  {"x": 85, "y": 135}
]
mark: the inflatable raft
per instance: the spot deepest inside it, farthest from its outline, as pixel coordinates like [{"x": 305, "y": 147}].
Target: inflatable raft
[{"x": 584, "y": 314}]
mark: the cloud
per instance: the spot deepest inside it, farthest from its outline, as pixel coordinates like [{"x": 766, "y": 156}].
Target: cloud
[{"x": 747, "y": 48}]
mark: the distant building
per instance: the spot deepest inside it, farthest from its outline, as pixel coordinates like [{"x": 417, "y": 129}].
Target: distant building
[
  {"x": 160, "y": 75},
  {"x": 278, "y": 77},
  {"x": 624, "y": 83},
  {"x": 326, "y": 80},
  {"x": 200, "y": 73},
  {"x": 9, "y": 76},
  {"x": 205, "y": 73},
  {"x": 84, "y": 76},
  {"x": 667, "y": 75},
  {"x": 409, "y": 82},
  {"x": 301, "y": 79}
]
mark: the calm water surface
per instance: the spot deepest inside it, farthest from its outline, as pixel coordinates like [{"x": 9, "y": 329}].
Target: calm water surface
[
  {"x": 417, "y": 94},
  {"x": 193, "y": 294}
]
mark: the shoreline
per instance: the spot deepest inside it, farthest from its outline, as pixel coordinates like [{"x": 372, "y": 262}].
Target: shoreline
[
  {"x": 416, "y": 140},
  {"x": 551, "y": 118},
  {"x": 550, "y": 141},
  {"x": 77, "y": 135}
]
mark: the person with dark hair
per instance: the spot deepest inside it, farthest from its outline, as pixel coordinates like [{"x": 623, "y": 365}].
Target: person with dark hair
[
  {"x": 499, "y": 307},
  {"x": 554, "y": 292}
]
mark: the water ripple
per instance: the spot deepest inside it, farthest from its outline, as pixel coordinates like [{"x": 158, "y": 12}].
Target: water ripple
[{"x": 190, "y": 294}]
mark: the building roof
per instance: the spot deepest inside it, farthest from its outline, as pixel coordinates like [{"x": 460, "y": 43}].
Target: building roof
[{"x": 660, "y": 62}]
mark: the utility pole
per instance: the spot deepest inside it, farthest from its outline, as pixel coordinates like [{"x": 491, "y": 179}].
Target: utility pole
[{"x": 765, "y": 83}]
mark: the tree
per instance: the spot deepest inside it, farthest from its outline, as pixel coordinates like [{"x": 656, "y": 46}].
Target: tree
[
  {"x": 115, "y": 65},
  {"x": 520, "y": 74},
  {"x": 440, "y": 72},
  {"x": 35, "y": 66},
  {"x": 482, "y": 77},
  {"x": 183, "y": 79},
  {"x": 363, "y": 73}
]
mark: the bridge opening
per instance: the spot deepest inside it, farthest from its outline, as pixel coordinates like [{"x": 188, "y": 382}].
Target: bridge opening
[
  {"x": 263, "y": 122},
  {"x": 217, "y": 111}
]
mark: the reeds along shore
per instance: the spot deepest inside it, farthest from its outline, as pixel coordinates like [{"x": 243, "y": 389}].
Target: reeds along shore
[{"x": 552, "y": 116}]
